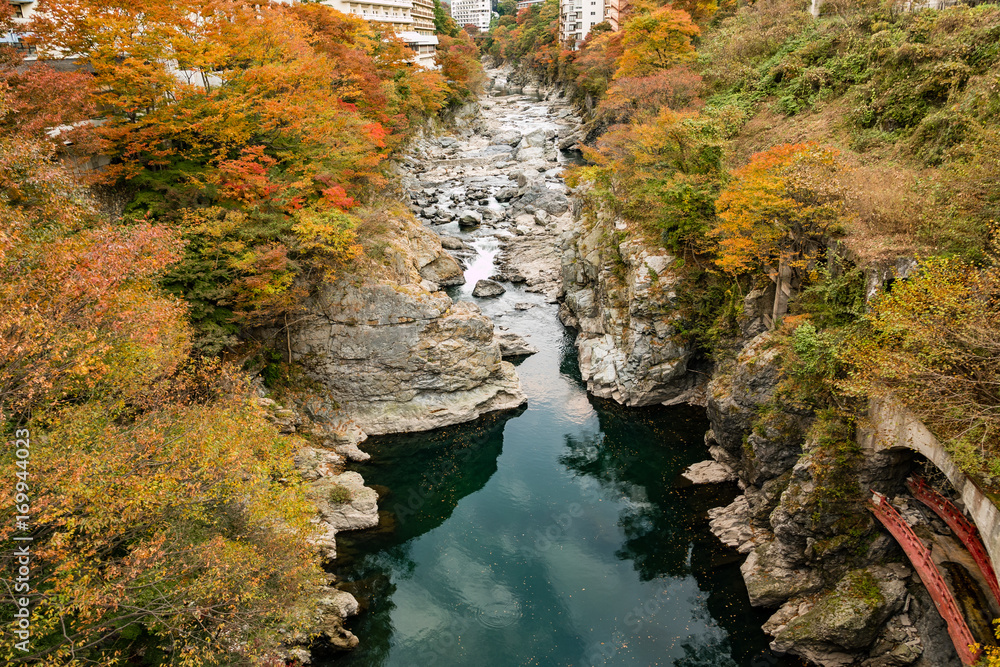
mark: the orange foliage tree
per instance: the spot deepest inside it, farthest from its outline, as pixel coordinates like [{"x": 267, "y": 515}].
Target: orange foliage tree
[
  {"x": 242, "y": 116},
  {"x": 778, "y": 208},
  {"x": 160, "y": 515},
  {"x": 656, "y": 41}
]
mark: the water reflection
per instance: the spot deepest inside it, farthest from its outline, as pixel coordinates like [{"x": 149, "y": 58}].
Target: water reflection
[{"x": 558, "y": 535}]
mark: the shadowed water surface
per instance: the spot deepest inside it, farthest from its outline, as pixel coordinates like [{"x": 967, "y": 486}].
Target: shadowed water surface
[{"x": 557, "y": 535}]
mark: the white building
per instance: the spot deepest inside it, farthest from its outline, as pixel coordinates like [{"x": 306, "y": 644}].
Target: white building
[
  {"x": 412, "y": 20},
  {"x": 523, "y": 4},
  {"x": 477, "y": 12},
  {"x": 576, "y": 18},
  {"x": 23, "y": 9}
]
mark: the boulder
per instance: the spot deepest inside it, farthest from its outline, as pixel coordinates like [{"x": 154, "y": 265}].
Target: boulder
[
  {"x": 396, "y": 358},
  {"x": 534, "y": 139},
  {"x": 506, "y": 138},
  {"x": 526, "y": 177},
  {"x": 530, "y": 153},
  {"x": 470, "y": 218},
  {"x": 731, "y": 524},
  {"x": 513, "y": 346},
  {"x": 846, "y": 619},
  {"x": 452, "y": 243},
  {"x": 488, "y": 288},
  {"x": 340, "y": 603},
  {"x": 539, "y": 196},
  {"x": 771, "y": 579},
  {"x": 709, "y": 472},
  {"x": 344, "y": 501},
  {"x": 443, "y": 271}
]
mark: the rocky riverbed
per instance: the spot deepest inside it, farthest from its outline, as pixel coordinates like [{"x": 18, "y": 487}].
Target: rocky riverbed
[{"x": 393, "y": 350}]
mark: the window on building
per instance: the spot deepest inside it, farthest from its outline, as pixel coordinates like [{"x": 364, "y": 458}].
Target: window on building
[
  {"x": 593, "y": 13},
  {"x": 18, "y": 12}
]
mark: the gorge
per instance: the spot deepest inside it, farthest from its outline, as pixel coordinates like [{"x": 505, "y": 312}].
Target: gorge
[{"x": 565, "y": 533}]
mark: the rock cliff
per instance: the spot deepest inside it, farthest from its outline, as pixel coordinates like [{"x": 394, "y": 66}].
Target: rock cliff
[
  {"x": 395, "y": 353},
  {"x": 843, "y": 593},
  {"x": 619, "y": 295}
]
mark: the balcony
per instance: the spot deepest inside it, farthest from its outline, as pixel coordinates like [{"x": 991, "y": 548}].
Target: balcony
[{"x": 381, "y": 18}]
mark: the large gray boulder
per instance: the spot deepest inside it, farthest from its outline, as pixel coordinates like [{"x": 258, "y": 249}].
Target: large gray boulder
[
  {"x": 470, "y": 218},
  {"x": 488, "y": 289},
  {"x": 506, "y": 138},
  {"x": 843, "y": 620},
  {"x": 344, "y": 501},
  {"x": 513, "y": 346}
]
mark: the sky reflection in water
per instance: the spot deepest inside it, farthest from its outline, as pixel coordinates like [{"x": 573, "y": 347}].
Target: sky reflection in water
[{"x": 556, "y": 535}]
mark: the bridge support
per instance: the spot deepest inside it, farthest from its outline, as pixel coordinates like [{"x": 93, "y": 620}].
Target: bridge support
[
  {"x": 962, "y": 527},
  {"x": 920, "y": 557}
]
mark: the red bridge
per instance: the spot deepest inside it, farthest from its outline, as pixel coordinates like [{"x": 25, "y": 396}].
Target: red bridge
[
  {"x": 962, "y": 527},
  {"x": 920, "y": 557}
]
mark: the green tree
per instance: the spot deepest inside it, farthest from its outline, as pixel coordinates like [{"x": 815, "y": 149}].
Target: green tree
[{"x": 443, "y": 23}]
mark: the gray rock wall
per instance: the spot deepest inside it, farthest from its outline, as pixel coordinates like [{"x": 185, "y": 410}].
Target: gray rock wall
[
  {"x": 395, "y": 353},
  {"x": 813, "y": 550},
  {"x": 619, "y": 297}
]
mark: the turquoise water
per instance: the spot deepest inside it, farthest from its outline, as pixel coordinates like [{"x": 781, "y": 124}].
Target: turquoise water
[{"x": 558, "y": 535}]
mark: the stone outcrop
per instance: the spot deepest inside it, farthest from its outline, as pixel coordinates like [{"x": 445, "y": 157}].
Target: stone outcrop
[
  {"x": 398, "y": 356},
  {"x": 813, "y": 550},
  {"x": 513, "y": 346},
  {"x": 709, "y": 472},
  {"x": 620, "y": 296}
]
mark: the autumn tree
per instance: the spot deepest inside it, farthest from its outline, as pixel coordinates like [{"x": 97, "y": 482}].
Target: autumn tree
[
  {"x": 677, "y": 88},
  {"x": 656, "y": 41},
  {"x": 162, "y": 517},
  {"x": 663, "y": 173},
  {"x": 777, "y": 212},
  {"x": 932, "y": 341},
  {"x": 239, "y": 124},
  {"x": 458, "y": 59}
]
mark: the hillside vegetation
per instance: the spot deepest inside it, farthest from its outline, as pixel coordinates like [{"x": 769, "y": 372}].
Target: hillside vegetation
[
  {"x": 761, "y": 145},
  {"x": 246, "y": 144}
]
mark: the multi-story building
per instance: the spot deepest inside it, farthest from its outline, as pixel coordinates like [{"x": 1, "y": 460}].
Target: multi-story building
[
  {"x": 576, "y": 18},
  {"x": 522, "y": 4},
  {"x": 23, "y": 9},
  {"x": 477, "y": 12},
  {"x": 613, "y": 13},
  {"x": 412, "y": 20}
]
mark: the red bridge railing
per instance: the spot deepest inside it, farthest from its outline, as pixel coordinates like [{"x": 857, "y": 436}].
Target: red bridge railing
[
  {"x": 962, "y": 527},
  {"x": 920, "y": 557}
]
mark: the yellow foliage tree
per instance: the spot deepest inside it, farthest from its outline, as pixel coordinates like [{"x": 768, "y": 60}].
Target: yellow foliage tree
[
  {"x": 778, "y": 208},
  {"x": 656, "y": 41}
]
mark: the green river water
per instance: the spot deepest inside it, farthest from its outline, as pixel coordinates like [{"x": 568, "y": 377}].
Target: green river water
[{"x": 558, "y": 535}]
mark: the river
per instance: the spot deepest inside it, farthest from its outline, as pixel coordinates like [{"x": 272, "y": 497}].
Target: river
[{"x": 557, "y": 535}]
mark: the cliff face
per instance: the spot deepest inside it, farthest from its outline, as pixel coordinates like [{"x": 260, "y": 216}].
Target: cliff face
[
  {"x": 618, "y": 295},
  {"x": 844, "y": 592},
  {"x": 395, "y": 353}
]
